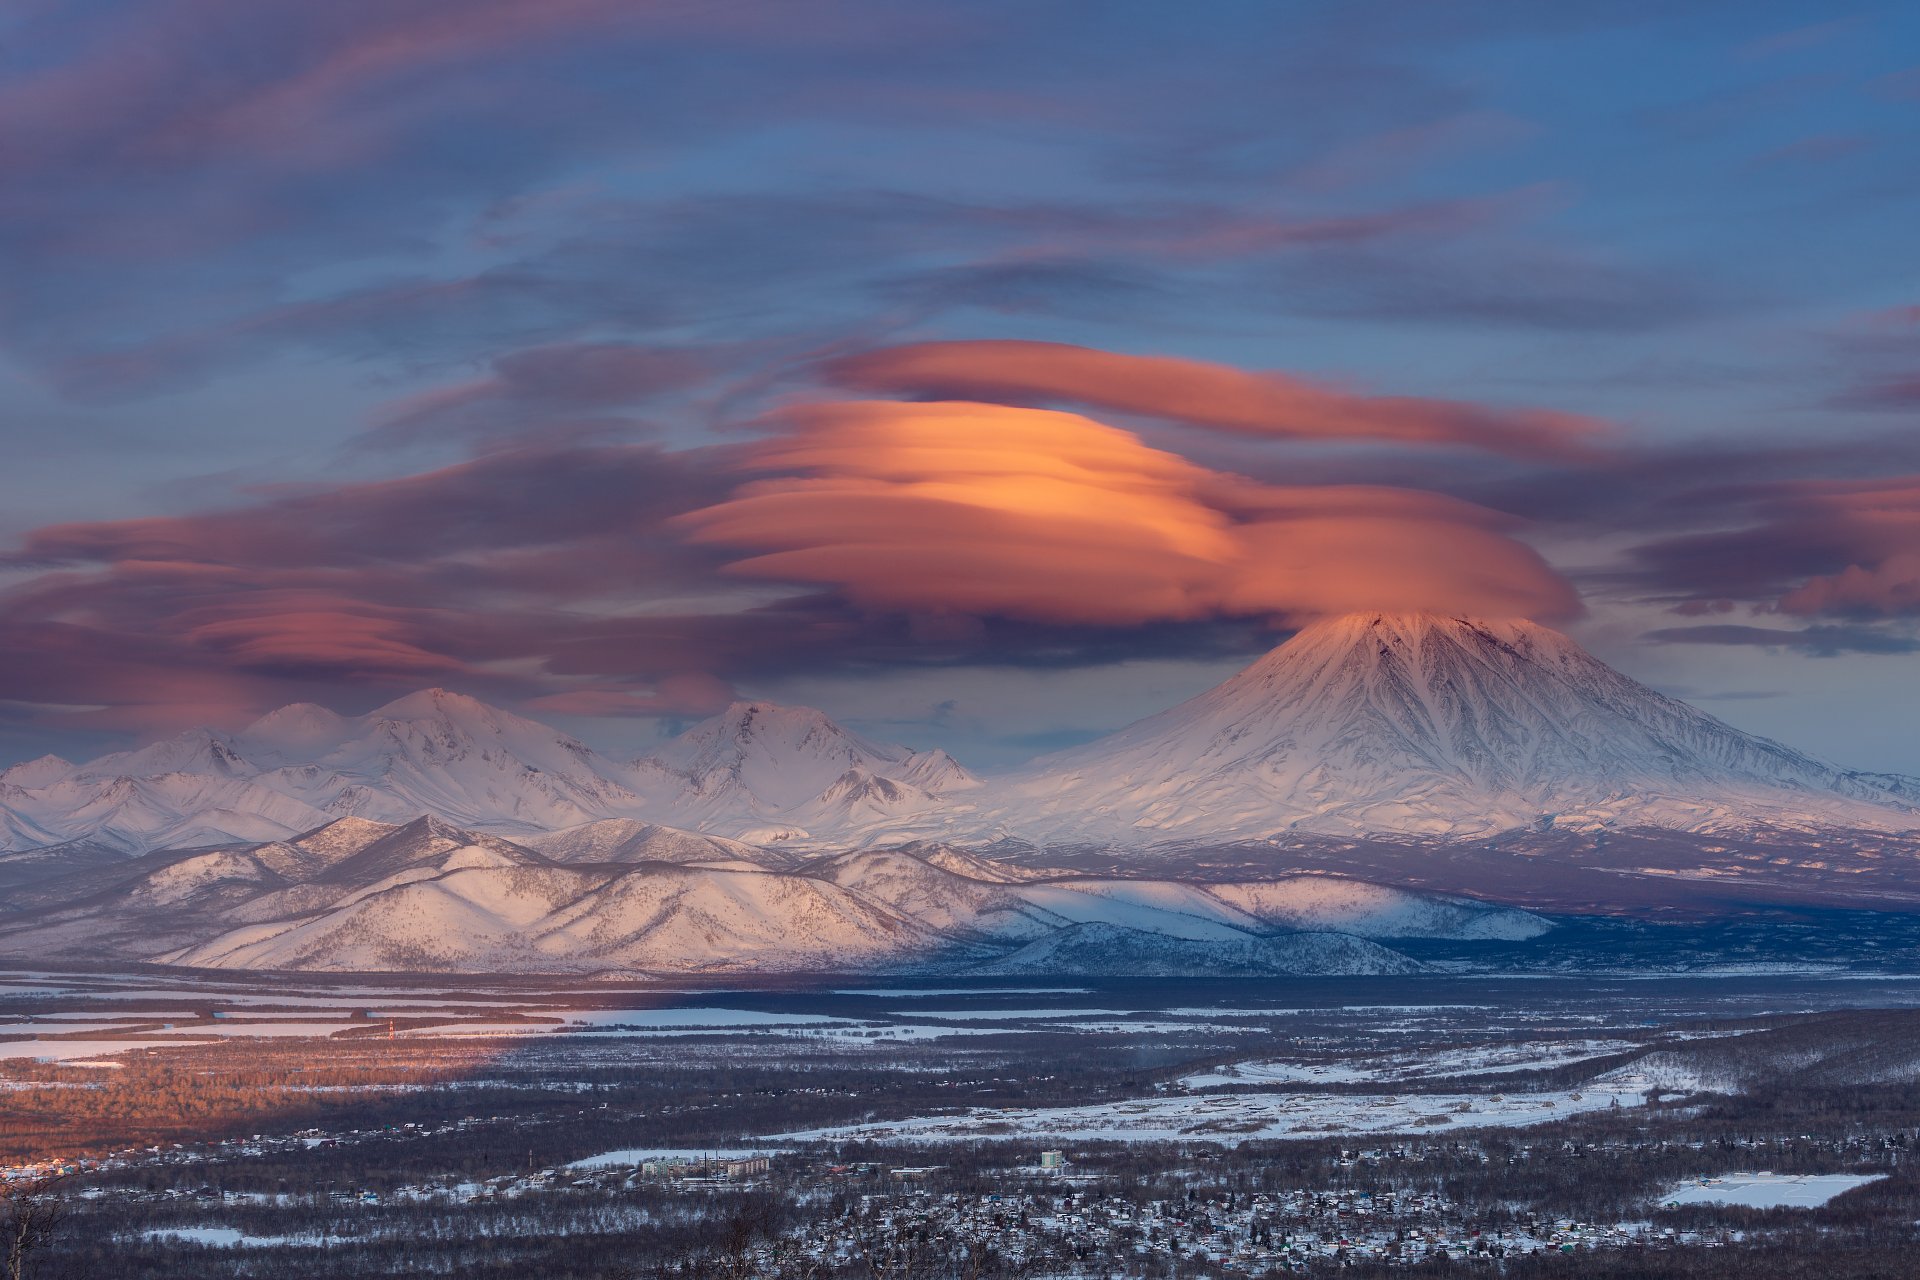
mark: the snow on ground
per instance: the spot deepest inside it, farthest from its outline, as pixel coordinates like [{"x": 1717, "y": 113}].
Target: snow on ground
[
  {"x": 66, "y": 1050},
  {"x": 691, "y": 1018},
  {"x": 232, "y": 1238},
  {"x": 923, "y": 993},
  {"x": 448, "y": 1020},
  {"x": 582, "y": 1021},
  {"x": 854, "y": 1032},
  {"x": 481, "y": 1029},
  {"x": 122, "y": 1018},
  {"x": 50, "y": 1028},
  {"x": 275, "y": 1030},
  {"x": 1768, "y": 1190},
  {"x": 1276, "y": 1071},
  {"x": 1662, "y": 1071},
  {"x": 889, "y": 1032},
  {"x": 1677, "y": 1036},
  {"x": 1217, "y": 1011},
  {"x": 1152, "y": 1028},
  {"x": 640, "y": 1155},
  {"x": 345, "y": 998},
  {"x": 657, "y": 1023},
  {"x": 1231, "y": 1119},
  {"x": 1433, "y": 1064},
  {"x": 934, "y": 1031},
  {"x": 844, "y": 1032},
  {"x": 1020, "y": 1015}
]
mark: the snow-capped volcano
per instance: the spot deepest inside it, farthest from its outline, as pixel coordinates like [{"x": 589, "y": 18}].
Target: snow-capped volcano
[{"x": 1424, "y": 724}]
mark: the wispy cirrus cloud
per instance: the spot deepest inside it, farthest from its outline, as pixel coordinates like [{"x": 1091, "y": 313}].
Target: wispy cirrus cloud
[
  {"x": 1202, "y": 394},
  {"x": 1880, "y": 357},
  {"x": 745, "y": 269},
  {"x": 548, "y": 391},
  {"x": 1502, "y": 284},
  {"x": 1825, "y": 641}
]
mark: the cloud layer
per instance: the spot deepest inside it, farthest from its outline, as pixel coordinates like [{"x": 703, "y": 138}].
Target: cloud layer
[
  {"x": 1039, "y": 514},
  {"x": 535, "y": 303},
  {"x": 1208, "y": 395},
  {"x": 1817, "y": 547},
  {"x": 587, "y": 575},
  {"x": 623, "y": 578}
]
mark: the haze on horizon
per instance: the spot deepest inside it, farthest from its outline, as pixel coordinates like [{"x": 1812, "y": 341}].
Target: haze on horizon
[{"x": 987, "y": 374}]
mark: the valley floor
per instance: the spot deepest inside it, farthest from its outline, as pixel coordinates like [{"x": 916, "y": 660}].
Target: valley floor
[{"x": 195, "y": 1125}]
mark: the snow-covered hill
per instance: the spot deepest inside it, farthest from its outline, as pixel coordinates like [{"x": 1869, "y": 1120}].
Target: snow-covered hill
[
  {"x": 1437, "y": 726},
  {"x": 626, "y": 840},
  {"x": 767, "y": 773},
  {"x": 429, "y": 897}
]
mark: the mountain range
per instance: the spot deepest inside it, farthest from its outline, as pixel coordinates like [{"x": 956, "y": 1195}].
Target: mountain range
[
  {"x": 1366, "y": 725},
  {"x": 756, "y": 771},
  {"x": 1487, "y": 757},
  {"x": 426, "y": 896}
]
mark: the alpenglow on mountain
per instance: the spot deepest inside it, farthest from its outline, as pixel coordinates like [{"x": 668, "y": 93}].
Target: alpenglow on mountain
[
  {"x": 431, "y": 897},
  {"x": 757, "y": 770},
  {"x": 1438, "y": 726},
  {"x": 1396, "y": 724}
]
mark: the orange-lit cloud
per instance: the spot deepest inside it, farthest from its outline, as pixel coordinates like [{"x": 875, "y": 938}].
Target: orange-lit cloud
[
  {"x": 1051, "y": 516},
  {"x": 1812, "y": 548},
  {"x": 1877, "y": 523},
  {"x": 1890, "y": 587},
  {"x": 310, "y": 630},
  {"x": 1209, "y": 395},
  {"x": 1351, "y": 547}
]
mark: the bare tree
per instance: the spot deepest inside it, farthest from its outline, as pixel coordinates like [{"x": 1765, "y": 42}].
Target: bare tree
[
  {"x": 744, "y": 1244},
  {"x": 896, "y": 1250},
  {"x": 30, "y": 1214},
  {"x": 734, "y": 1254},
  {"x": 905, "y": 1250}
]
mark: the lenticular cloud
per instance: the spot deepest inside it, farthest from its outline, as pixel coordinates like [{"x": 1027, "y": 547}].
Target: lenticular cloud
[
  {"x": 1052, "y": 516},
  {"x": 1212, "y": 396}
]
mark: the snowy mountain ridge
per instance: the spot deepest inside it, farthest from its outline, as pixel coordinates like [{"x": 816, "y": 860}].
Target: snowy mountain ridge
[
  {"x": 756, "y": 770},
  {"x": 429, "y": 897},
  {"x": 762, "y": 771},
  {"x": 1409, "y": 725}
]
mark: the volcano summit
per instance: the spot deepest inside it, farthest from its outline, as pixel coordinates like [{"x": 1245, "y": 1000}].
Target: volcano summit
[{"x": 1422, "y": 724}]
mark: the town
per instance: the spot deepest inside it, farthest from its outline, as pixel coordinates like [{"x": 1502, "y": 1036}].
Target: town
[{"x": 995, "y": 1209}]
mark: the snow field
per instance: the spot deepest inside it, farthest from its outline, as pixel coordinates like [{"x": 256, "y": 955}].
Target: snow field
[
  {"x": 1768, "y": 1190},
  {"x": 1231, "y": 1119}
]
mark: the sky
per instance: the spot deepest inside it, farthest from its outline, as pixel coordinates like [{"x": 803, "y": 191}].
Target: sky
[{"x": 987, "y": 375}]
